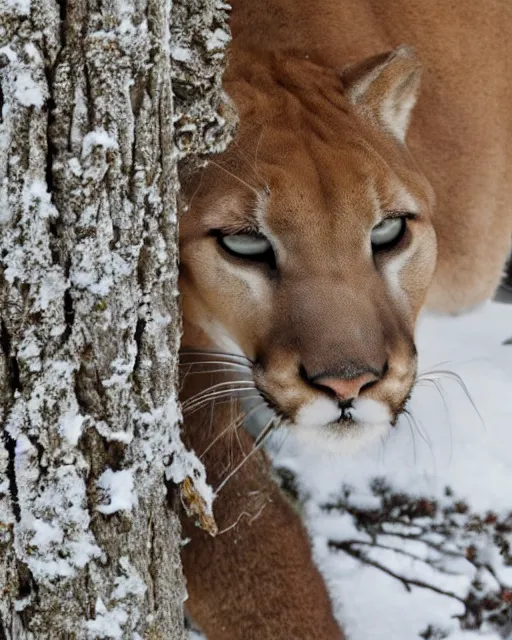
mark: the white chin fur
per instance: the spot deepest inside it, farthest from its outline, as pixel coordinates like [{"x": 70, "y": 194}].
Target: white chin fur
[
  {"x": 366, "y": 410},
  {"x": 317, "y": 413},
  {"x": 371, "y": 421}
]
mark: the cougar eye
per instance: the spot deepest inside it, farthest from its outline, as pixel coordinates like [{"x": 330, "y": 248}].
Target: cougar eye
[
  {"x": 246, "y": 245},
  {"x": 388, "y": 232}
]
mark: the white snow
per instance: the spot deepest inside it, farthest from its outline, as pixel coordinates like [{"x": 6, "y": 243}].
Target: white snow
[
  {"x": 70, "y": 427},
  {"x": 33, "y": 52},
  {"x": 218, "y": 40},
  {"x": 61, "y": 542},
  {"x": 181, "y": 54},
  {"x": 27, "y": 91},
  {"x": 97, "y": 138},
  {"x": 185, "y": 464},
  {"x": 129, "y": 584},
  {"x": 117, "y": 436},
  {"x": 36, "y": 193},
  {"x": 9, "y": 53},
  {"x": 116, "y": 615},
  {"x": 23, "y": 445},
  {"x": 20, "y": 605},
  {"x": 45, "y": 533},
  {"x": 21, "y": 7},
  {"x": 119, "y": 488},
  {"x": 122, "y": 368},
  {"x": 96, "y": 268},
  {"x": 106, "y": 624}
]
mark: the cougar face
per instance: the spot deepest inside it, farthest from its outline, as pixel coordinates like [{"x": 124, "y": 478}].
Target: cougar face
[{"x": 308, "y": 246}]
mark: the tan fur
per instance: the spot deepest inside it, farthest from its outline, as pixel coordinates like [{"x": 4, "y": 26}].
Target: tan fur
[{"x": 325, "y": 96}]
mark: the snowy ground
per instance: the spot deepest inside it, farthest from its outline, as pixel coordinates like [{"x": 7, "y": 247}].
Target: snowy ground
[{"x": 423, "y": 552}]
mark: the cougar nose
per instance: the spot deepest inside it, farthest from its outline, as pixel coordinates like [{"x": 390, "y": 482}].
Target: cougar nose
[{"x": 347, "y": 388}]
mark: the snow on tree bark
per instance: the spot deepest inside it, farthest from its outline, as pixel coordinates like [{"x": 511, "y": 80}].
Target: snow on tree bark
[{"x": 88, "y": 303}]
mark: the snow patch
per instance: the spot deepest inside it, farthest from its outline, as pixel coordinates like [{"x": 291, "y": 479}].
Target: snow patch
[
  {"x": 113, "y": 436},
  {"x": 36, "y": 193},
  {"x": 20, "y": 7},
  {"x": 97, "y": 138},
  {"x": 8, "y": 53},
  {"x": 129, "y": 584},
  {"x": 106, "y": 624},
  {"x": 28, "y": 92},
  {"x": 70, "y": 427},
  {"x": 61, "y": 543},
  {"x": 33, "y": 52},
  {"x": 218, "y": 40},
  {"x": 120, "y": 615},
  {"x": 45, "y": 533},
  {"x": 180, "y": 54},
  {"x": 185, "y": 464},
  {"x": 118, "y": 486},
  {"x": 23, "y": 446}
]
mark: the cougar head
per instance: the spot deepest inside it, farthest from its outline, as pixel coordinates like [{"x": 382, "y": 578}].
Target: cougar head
[{"x": 308, "y": 246}]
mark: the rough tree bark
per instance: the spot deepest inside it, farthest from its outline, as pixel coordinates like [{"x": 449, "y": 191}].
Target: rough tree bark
[{"x": 89, "y": 145}]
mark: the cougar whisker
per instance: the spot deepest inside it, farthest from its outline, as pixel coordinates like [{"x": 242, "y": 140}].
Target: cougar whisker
[
  {"x": 212, "y": 371},
  {"x": 186, "y": 351},
  {"x": 232, "y": 425},
  {"x": 235, "y": 177},
  {"x": 189, "y": 369},
  {"x": 416, "y": 423},
  {"x": 215, "y": 402},
  {"x": 408, "y": 417},
  {"x": 254, "y": 167},
  {"x": 217, "y": 394},
  {"x": 197, "y": 189},
  {"x": 220, "y": 385},
  {"x": 224, "y": 363},
  {"x": 264, "y": 433},
  {"x": 440, "y": 374},
  {"x": 251, "y": 453},
  {"x": 240, "y": 419}
]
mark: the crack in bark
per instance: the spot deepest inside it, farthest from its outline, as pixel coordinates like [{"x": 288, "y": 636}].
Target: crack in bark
[
  {"x": 1, "y": 104},
  {"x": 3, "y": 635},
  {"x": 10, "y": 446},
  {"x": 139, "y": 332},
  {"x": 62, "y": 4},
  {"x": 87, "y": 81},
  {"x": 69, "y": 315},
  {"x": 152, "y": 559},
  {"x": 9, "y": 441},
  {"x": 50, "y": 148},
  {"x": 12, "y": 362},
  {"x": 26, "y": 586}
]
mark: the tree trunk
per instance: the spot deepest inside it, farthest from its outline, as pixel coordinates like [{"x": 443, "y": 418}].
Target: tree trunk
[{"x": 88, "y": 302}]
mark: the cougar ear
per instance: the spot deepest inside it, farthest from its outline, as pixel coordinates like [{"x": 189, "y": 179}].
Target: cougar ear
[{"x": 385, "y": 87}]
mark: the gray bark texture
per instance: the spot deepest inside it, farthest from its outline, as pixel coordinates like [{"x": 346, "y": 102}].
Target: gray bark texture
[{"x": 89, "y": 145}]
